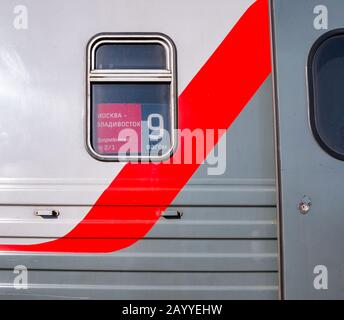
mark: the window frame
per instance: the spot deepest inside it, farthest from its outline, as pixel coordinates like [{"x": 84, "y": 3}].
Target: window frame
[
  {"x": 311, "y": 94},
  {"x": 167, "y": 75}
]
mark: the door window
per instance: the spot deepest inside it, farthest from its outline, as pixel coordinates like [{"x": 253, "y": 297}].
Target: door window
[{"x": 326, "y": 92}]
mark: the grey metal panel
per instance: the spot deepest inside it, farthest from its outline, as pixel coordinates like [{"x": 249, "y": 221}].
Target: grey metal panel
[
  {"x": 212, "y": 222},
  {"x": 242, "y": 193},
  {"x": 249, "y": 178},
  {"x": 135, "y": 285},
  {"x": 161, "y": 255},
  {"x": 305, "y": 169},
  {"x": 196, "y": 222}
]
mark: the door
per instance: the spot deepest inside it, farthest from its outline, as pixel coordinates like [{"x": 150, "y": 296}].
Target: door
[{"x": 308, "y": 45}]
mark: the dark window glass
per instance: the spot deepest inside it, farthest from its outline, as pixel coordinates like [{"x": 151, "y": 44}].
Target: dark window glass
[
  {"x": 130, "y": 56},
  {"x": 326, "y": 78},
  {"x": 131, "y": 119}
]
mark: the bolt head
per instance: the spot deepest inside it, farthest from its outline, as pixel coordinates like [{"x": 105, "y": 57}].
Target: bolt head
[{"x": 304, "y": 208}]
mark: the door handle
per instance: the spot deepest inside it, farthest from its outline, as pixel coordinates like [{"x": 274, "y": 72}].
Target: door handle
[
  {"x": 47, "y": 213},
  {"x": 169, "y": 215}
]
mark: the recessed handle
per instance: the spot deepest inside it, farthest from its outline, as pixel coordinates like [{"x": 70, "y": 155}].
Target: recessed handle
[
  {"x": 169, "y": 215},
  {"x": 47, "y": 213}
]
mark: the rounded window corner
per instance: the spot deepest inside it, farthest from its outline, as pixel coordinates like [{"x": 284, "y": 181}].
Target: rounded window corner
[{"x": 325, "y": 73}]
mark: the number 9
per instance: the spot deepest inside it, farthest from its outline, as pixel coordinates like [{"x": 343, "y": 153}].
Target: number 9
[{"x": 159, "y": 127}]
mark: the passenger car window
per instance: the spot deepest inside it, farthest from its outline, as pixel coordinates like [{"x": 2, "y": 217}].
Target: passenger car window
[{"x": 132, "y": 97}]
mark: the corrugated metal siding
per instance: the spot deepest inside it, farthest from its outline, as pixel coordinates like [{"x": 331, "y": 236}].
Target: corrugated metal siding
[
  {"x": 224, "y": 247},
  {"x": 149, "y": 285},
  {"x": 211, "y": 253}
]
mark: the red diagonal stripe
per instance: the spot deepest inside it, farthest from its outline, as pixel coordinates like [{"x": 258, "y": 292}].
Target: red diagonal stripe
[{"x": 213, "y": 100}]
